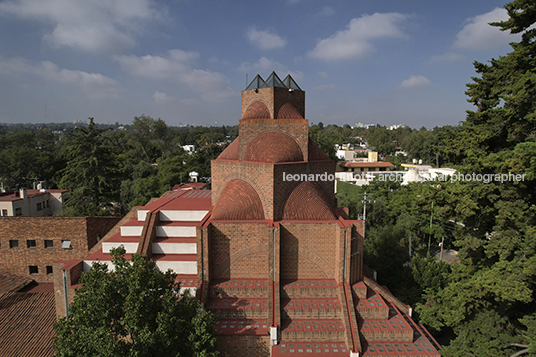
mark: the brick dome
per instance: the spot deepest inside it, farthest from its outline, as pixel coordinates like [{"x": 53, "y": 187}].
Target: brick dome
[
  {"x": 238, "y": 201},
  {"x": 308, "y": 202},
  {"x": 230, "y": 152},
  {"x": 316, "y": 153},
  {"x": 273, "y": 147},
  {"x": 257, "y": 110},
  {"x": 288, "y": 111}
]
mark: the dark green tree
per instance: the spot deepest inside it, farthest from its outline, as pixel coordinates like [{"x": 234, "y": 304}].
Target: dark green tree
[
  {"x": 92, "y": 173},
  {"x": 133, "y": 311},
  {"x": 489, "y": 298}
]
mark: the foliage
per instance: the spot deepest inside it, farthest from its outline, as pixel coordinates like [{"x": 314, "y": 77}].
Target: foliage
[
  {"x": 133, "y": 311},
  {"x": 488, "y": 299},
  {"x": 91, "y": 173}
]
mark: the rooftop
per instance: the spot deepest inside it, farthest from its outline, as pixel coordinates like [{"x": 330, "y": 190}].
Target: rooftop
[
  {"x": 366, "y": 164},
  {"x": 15, "y": 195},
  {"x": 273, "y": 81},
  {"x": 26, "y": 321}
]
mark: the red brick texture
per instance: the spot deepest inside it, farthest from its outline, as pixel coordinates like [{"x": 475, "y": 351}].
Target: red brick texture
[
  {"x": 239, "y": 250},
  {"x": 274, "y": 98},
  {"x": 273, "y": 147},
  {"x": 243, "y": 345},
  {"x": 239, "y": 201},
  {"x": 81, "y": 231},
  {"x": 308, "y": 250},
  {"x": 297, "y": 129}
]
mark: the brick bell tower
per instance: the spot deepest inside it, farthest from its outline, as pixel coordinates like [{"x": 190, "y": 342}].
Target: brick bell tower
[
  {"x": 275, "y": 223},
  {"x": 249, "y": 179}
]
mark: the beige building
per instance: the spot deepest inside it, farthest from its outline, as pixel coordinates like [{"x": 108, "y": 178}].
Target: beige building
[{"x": 37, "y": 203}]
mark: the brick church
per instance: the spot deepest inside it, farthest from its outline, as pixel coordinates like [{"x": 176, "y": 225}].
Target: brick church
[{"x": 266, "y": 249}]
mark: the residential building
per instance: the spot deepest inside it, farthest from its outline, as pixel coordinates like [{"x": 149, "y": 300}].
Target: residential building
[
  {"x": 26, "y": 202},
  {"x": 29, "y": 246}
]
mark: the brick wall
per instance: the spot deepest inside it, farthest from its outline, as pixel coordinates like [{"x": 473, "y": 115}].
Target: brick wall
[
  {"x": 268, "y": 181},
  {"x": 239, "y": 250},
  {"x": 82, "y": 232},
  {"x": 274, "y": 98},
  {"x": 298, "y": 129},
  {"x": 308, "y": 250}
]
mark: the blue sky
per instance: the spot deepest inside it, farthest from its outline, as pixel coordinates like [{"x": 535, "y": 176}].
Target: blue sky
[{"x": 186, "y": 61}]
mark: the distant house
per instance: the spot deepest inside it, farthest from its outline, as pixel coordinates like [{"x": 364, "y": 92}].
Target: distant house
[
  {"x": 36, "y": 203},
  {"x": 362, "y": 170}
]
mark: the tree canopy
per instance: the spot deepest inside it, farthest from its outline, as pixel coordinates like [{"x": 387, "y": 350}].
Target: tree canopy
[{"x": 134, "y": 310}]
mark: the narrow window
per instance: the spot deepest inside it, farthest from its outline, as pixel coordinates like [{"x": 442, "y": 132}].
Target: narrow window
[
  {"x": 13, "y": 244},
  {"x": 39, "y": 206},
  {"x": 66, "y": 244},
  {"x": 49, "y": 269},
  {"x": 4, "y": 212},
  {"x": 30, "y": 243},
  {"x": 18, "y": 211},
  {"x": 49, "y": 243},
  {"x": 33, "y": 269}
]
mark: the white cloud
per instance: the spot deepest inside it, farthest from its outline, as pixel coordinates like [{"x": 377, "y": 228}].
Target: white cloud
[
  {"x": 160, "y": 97},
  {"x": 479, "y": 35},
  {"x": 93, "y": 26},
  {"x": 354, "y": 42},
  {"x": 265, "y": 40},
  {"x": 415, "y": 81},
  {"x": 323, "y": 75},
  {"x": 447, "y": 57},
  {"x": 178, "y": 66},
  {"x": 96, "y": 85},
  {"x": 266, "y": 65}
]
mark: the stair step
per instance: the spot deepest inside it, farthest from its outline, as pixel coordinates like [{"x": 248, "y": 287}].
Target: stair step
[
  {"x": 243, "y": 288},
  {"x": 236, "y": 308},
  {"x": 312, "y": 330},
  {"x": 242, "y": 327},
  {"x": 311, "y": 308},
  {"x": 332, "y": 349},
  {"x": 309, "y": 288},
  {"x": 373, "y": 307}
]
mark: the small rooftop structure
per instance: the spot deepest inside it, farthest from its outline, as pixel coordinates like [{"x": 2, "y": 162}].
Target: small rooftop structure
[{"x": 273, "y": 81}]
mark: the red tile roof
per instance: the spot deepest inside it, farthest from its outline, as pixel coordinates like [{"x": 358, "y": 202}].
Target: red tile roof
[
  {"x": 273, "y": 147},
  {"x": 366, "y": 164},
  {"x": 189, "y": 186},
  {"x": 308, "y": 202},
  {"x": 257, "y": 110},
  {"x": 238, "y": 201},
  {"x": 15, "y": 196},
  {"x": 26, "y": 321},
  {"x": 11, "y": 282}
]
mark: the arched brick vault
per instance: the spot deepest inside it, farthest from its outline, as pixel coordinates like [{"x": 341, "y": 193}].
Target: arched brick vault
[
  {"x": 231, "y": 151},
  {"x": 238, "y": 201},
  {"x": 270, "y": 129},
  {"x": 257, "y": 110},
  {"x": 315, "y": 153},
  {"x": 226, "y": 264},
  {"x": 288, "y": 111},
  {"x": 308, "y": 202},
  {"x": 273, "y": 147},
  {"x": 242, "y": 175}
]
